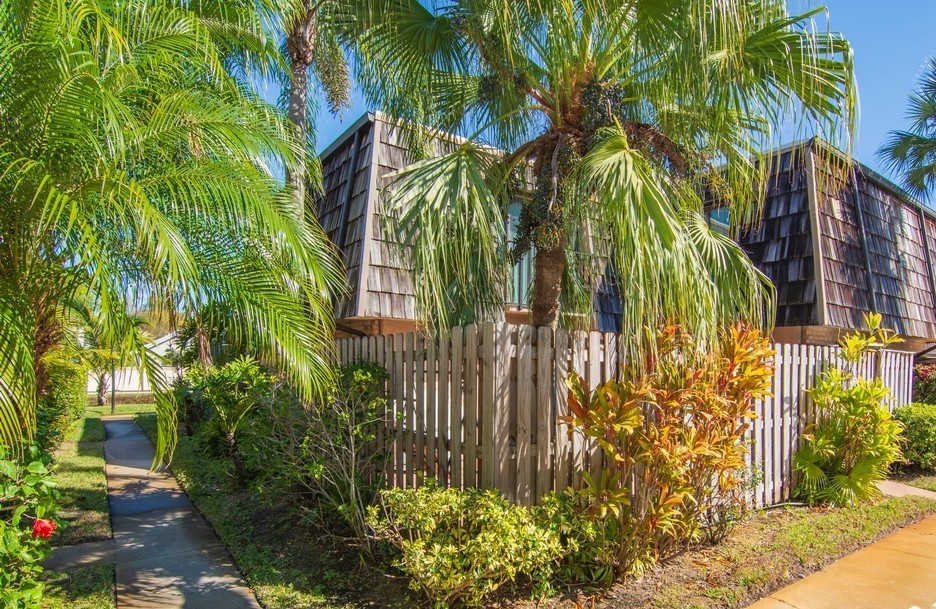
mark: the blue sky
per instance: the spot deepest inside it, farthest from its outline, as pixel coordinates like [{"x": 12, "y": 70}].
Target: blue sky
[{"x": 891, "y": 41}]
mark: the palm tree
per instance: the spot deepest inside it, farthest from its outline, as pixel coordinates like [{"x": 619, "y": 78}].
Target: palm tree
[
  {"x": 912, "y": 154},
  {"x": 133, "y": 167},
  {"x": 614, "y": 123}
]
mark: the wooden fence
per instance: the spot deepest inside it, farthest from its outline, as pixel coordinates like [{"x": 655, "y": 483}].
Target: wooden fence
[{"x": 480, "y": 407}]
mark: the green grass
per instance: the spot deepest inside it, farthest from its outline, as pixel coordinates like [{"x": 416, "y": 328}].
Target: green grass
[
  {"x": 768, "y": 551},
  {"x": 103, "y": 411},
  {"x": 286, "y": 563},
  {"x": 79, "y": 474},
  {"x": 84, "y": 588},
  {"x": 920, "y": 479}
]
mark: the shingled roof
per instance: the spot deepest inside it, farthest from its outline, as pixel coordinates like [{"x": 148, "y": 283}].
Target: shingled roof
[
  {"x": 839, "y": 240},
  {"x": 836, "y": 240}
]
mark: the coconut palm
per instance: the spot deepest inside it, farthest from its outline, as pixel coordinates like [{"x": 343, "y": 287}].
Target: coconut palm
[
  {"x": 614, "y": 123},
  {"x": 912, "y": 154},
  {"x": 134, "y": 167}
]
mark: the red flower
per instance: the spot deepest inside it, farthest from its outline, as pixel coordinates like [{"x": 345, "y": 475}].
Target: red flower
[{"x": 43, "y": 528}]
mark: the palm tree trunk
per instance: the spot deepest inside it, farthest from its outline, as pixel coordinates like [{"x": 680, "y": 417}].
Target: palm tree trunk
[
  {"x": 300, "y": 45},
  {"x": 240, "y": 468},
  {"x": 550, "y": 266}
]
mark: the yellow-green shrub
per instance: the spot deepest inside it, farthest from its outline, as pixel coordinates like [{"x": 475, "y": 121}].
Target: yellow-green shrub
[{"x": 459, "y": 546}]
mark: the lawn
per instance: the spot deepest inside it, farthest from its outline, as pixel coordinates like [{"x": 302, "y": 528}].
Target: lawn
[
  {"x": 918, "y": 478},
  {"x": 79, "y": 473},
  {"x": 84, "y": 588},
  {"x": 133, "y": 408},
  {"x": 770, "y": 550},
  {"x": 289, "y": 565}
]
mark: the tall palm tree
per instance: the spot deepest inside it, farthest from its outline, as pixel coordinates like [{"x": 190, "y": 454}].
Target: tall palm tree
[
  {"x": 912, "y": 153},
  {"x": 134, "y": 166},
  {"x": 614, "y": 123}
]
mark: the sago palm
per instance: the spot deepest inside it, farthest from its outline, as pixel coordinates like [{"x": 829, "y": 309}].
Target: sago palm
[
  {"x": 912, "y": 153},
  {"x": 613, "y": 122},
  {"x": 134, "y": 167}
]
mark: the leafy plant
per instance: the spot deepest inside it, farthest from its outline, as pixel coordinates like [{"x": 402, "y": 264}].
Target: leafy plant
[
  {"x": 231, "y": 390},
  {"x": 27, "y": 505},
  {"x": 63, "y": 400},
  {"x": 460, "y": 546},
  {"x": 924, "y": 383},
  {"x": 919, "y": 432},
  {"x": 331, "y": 449},
  {"x": 855, "y": 439},
  {"x": 672, "y": 436}
]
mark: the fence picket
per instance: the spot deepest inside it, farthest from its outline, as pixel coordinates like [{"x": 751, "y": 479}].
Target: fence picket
[
  {"x": 525, "y": 395},
  {"x": 563, "y": 455},
  {"x": 544, "y": 412},
  {"x": 471, "y": 406},
  {"x": 456, "y": 418},
  {"x": 442, "y": 408}
]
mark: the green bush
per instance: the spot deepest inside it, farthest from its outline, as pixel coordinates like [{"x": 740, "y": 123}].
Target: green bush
[
  {"x": 459, "y": 547},
  {"x": 919, "y": 421},
  {"x": 924, "y": 383},
  {"x": 229, "y": 392},
  {"x": 329, "y": 449},
  {"x": 63, "y": 401},
  {"x": 27, "y": 504},
  {"x": 855, "y": 440}
]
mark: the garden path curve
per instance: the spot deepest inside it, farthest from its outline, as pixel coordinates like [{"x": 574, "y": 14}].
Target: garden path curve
[{"x": 166, "y": 556}]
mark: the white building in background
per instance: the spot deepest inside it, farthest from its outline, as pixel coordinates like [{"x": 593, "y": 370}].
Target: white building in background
[{"x": 129, "y": 379}]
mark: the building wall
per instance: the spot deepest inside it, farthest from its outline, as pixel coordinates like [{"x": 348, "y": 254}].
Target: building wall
[{"x": 817, "y": 241}]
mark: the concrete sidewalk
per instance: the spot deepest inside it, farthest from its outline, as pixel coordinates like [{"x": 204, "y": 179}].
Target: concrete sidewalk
[
  {"x": 166, "y": 555},
  {"x": 898, "y": 572}
]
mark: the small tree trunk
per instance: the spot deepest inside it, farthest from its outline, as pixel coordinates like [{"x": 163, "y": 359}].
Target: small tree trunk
[
  {"x": 550, "y": 266},
  {"x": 240, "y": 468},
  {"x": 102, "y": 389}
]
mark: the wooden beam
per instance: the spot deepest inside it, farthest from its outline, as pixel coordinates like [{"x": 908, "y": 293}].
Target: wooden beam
[
  {"x": 370, "y": 210},
  {"x": 815, "y": 226}
]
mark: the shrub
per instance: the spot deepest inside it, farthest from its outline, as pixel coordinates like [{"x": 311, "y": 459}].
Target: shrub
[
  {"x": 919, "y": 421},
  {"x": 330, "y": 448},
  {"x": 26, "y": 508},
  {"x": 855, "y": 440},
  {"x": 62, "y": 402},
  {"x": 924, "y": 383},
  {"x": 228, "y": 393},
  {"x": 673, "y": 435},
  {"x": 458, "y": 546}
]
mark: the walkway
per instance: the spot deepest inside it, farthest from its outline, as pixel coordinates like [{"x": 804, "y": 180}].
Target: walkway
[
  {"x": 166, "y": 556},
  {"x": 898, "y": 572}
]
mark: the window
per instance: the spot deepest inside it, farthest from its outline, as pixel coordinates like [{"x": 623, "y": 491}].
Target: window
[{"x": 719, "y": 219}]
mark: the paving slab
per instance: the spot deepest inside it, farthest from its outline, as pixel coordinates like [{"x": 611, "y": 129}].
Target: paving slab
[
  {"x": 81, "y": 555},
  {"x": 165, "y": 553}
]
